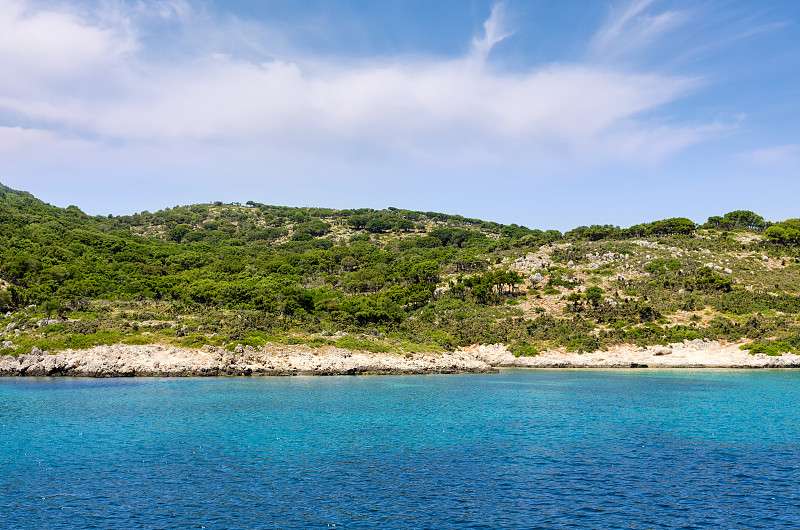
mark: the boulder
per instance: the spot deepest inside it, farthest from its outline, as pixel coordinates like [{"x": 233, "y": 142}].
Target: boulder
[{"x": 661, "y": 350}]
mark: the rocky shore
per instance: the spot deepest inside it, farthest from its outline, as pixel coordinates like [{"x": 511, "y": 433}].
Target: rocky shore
[
  {"x": 278, "y": 360},
  {"x": 689, "y": 354}
]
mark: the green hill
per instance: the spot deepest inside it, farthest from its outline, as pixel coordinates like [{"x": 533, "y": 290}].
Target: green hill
[{"x": 381, "y": 280}]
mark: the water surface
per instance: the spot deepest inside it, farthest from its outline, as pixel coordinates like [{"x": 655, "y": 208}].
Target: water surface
[{"x": 535, "y": 449}]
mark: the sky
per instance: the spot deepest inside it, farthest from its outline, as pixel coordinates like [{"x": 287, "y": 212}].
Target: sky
[{"x": 548, "y": 114}]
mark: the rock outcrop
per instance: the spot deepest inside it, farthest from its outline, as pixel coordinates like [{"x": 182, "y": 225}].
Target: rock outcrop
[
  {"x": 689, "y": 354},
  {"x": 279, "y": 360},
  {"x": 161, "y": 361}
]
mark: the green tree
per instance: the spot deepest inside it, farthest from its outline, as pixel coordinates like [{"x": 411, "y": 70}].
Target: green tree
[
  {"x": 594, "y": 295},
  {"x": 177, "y": 233},
  {"x": 786, "y": 232},
  {"x": 378, "y": 225},
  {"x": 6, "y": 300},
  {"x": 745, "y": 219}
]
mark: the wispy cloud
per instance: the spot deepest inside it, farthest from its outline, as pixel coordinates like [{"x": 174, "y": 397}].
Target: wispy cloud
[
  {"x": 88, "y": 79},
  {"x": 495, "y": 30},
  {"x": 632, "y": 29},
  {"x": 166, "y": 9},
  {"x": 781, "y": 157}
]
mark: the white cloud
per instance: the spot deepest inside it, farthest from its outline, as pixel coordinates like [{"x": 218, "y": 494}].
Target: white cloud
[
  {"x": 68, "y": 72},
  {"x": 632, "y": 30},
  {"x": 166, "y": 9},
  {"x": 495, "y": 30},
  {"x": 16, "y": 140},
  {"x": 48, "y": 46}
]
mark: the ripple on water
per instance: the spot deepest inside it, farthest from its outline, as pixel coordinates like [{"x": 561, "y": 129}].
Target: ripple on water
[{"x": 551, "y": 449}]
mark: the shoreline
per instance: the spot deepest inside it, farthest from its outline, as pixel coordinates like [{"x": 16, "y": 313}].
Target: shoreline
[
  {"x": 689, "y": 354},
  {"x": 157, "y": 360}
]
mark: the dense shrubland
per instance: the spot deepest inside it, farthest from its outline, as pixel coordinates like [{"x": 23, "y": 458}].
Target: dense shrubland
[{"x": 386, "y": 279}]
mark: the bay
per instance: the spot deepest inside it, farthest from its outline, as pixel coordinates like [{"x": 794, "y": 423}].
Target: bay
[{"x": 532, "y": 449}]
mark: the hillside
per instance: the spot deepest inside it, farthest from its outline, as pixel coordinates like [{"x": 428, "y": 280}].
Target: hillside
[{"x": 387, "y": 280}]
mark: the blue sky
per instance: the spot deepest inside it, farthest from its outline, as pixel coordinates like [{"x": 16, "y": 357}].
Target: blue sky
[{"x": 549, "y": 114}]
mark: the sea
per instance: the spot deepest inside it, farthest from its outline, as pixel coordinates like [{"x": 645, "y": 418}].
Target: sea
[{"x": 519, "y": 449}]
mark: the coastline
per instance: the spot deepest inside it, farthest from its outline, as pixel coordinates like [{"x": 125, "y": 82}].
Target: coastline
[
  {"x": 689, "y": 354},
  {"x": 157, "y": 360}
]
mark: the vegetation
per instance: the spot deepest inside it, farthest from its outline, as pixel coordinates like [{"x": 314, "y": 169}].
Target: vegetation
[
  {"x": 772, "y": 348},
  {"x": 387, "y": 280}
]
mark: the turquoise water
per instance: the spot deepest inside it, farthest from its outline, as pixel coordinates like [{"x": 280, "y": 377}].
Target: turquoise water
[{"x": 533, "y": 449}]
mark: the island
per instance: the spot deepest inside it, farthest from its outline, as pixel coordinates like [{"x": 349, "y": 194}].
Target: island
[{"x": 255, "y": 289}]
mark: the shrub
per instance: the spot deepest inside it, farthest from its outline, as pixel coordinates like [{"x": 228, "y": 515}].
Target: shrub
[
  {"x": 594, "y": 294},
  {"x": 523, "y": 350},
  {"x": 771, "y": 348}
]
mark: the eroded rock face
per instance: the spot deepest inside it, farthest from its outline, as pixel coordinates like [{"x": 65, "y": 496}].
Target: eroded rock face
[
  {"x": 661, "y": 350},
  {"x": 537, "y": 278},
  {"x": 158, "y": 360},
  {"x": 690, "y": 354},
  {"x": 274, "y": 359}
]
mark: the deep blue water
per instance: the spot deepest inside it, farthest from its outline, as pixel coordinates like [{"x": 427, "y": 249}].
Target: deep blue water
[{"x": 523, "y": 449}]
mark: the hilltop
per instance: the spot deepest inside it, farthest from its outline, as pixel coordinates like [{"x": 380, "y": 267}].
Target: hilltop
[{"x": 393, "y": 280}]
